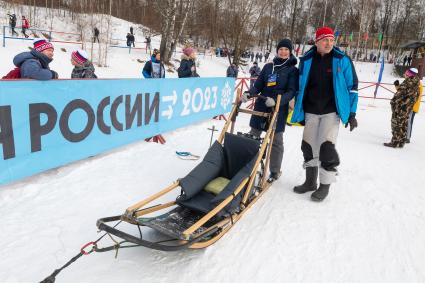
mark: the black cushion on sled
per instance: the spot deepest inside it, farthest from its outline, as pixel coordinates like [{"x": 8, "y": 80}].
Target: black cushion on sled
[
  {"x": 208, "y": 169},
  {"x": 238, "y": 157},
  {"x": 238, "y": 150},
  {"x": 200, "y": 202}
]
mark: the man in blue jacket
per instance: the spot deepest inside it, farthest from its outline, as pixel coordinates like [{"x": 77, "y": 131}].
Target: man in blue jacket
[
  {"x": 35, "y": 64},
  {"x": 327, "y": 94}
]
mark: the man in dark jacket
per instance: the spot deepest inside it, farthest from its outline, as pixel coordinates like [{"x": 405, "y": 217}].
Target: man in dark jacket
[
  {"x": 187, "y": 67},
  {"x": 254, "y": 72},
  {"x": 35, "y": 64},
  {"x": 279, "y": 77},
  {"x": 12, "y": 23},
  {"x": 83, "y": 68},
  {"x": 327, "y": 95},
  {"x": 232, "y": 71},
  {"x": 96, "y": 33},
  {"x": 154, "y": 69},
  {"x": 130, "y": 40}
]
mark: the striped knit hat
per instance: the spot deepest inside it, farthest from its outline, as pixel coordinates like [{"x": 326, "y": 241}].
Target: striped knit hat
[
  {"x": 411, "y": 72},
  {"x": 41, "y": 45},
  {"x": 80, "y": 56},
  {"x": 324, "y": 32}
]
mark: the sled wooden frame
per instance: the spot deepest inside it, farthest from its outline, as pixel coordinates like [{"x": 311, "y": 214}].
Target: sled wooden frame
[{"x": 213, "y": 233}]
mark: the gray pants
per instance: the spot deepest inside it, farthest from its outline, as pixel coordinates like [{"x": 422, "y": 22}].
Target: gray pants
[
  {"x": 318, "y": 145},
  {"x": 409, "y": 126},
  {"x": 276, "y": 155}
]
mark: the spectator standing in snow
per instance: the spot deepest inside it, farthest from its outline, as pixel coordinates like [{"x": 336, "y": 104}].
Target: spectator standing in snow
[
  {"x": 148, "y": 43},
  {"x": 35, "y": 64},
  {"x": 154, "y": 69},
  {"x": 25, "y": 26},
  {"x": 401, "y": 106},
  {"x": 83, "y": 68},
  {"x": 96, "y": 33},
  {"x": 266, "y": 56},
  {"x": 187, "y": 67},
  {"x": 232, "y": 71},
  {"x": 405, "y": 60},
  {"x": 130, "y": 40},
  {"x": 254, "y": 72},
  {"x": 260, "y": 56},
  {"x": 409, "y": 60},
  {"x": 327, "y": 95},
  {"x": 252, "y": 56},
  {"x": 131, "y": 30},
  {"x": 280, "y": 77},
  {"x": 12, "y": 24}
]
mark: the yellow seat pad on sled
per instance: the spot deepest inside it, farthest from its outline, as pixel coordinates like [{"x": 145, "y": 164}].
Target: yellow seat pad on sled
[{"x": 216, "y": 185}]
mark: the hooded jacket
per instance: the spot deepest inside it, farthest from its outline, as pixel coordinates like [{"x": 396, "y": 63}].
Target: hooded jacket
[
  {"x": 34, "y": 65},
  {"x": 186, "y": 64}
]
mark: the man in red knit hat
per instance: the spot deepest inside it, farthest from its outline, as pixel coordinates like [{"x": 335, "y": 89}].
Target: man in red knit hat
[
  {"x": 35, "y": 64},
  {"x": 327, "y": 95}
]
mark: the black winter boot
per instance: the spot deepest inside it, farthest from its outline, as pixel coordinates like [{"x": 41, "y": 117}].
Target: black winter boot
[
  {"x": 321, "y": 193},
  {"x": 310, "y": 183}
]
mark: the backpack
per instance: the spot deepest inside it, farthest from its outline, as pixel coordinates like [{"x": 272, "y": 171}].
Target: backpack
[{"x": 15, "y": 74}]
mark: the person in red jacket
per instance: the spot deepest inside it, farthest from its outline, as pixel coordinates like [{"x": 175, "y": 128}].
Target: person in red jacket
[{"x": 25, "y": 26}]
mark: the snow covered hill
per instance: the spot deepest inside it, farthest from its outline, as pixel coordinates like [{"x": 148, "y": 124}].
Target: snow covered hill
[{"x": 370, "y": 229}]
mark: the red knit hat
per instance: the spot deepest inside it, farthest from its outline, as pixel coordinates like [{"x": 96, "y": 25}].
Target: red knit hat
[
  {"x": 324, "y": 32},
  {"x": 41, "y": 45},
  {"x": 80, "y": 56}
]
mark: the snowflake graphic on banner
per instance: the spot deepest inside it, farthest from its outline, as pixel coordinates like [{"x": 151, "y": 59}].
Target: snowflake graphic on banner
[{"x": 226, "y": 96}]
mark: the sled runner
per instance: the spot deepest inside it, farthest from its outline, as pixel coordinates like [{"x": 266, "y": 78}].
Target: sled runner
[{"x": 210, "y": 199}]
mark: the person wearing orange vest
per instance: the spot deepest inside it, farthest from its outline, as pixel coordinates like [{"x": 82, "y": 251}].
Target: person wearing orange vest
[{"x": 413, "y": 113}]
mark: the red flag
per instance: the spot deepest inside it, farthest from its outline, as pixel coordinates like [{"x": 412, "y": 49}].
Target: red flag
[{"x": 365, "y": 36}]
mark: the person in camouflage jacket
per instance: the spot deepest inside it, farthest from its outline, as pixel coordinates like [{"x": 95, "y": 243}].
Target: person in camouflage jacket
[{"x": 401, "y": 106}]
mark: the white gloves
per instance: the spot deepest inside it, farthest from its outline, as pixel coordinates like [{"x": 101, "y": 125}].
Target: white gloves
[{"x": 270, "y": 102}]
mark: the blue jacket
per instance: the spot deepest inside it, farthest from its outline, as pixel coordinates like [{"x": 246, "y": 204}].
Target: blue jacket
[
  {"x": 345, "y": 84},
  {"x": 33, "y": 65},
  {"x": 286, "y": 85},
  {"x": 148, "y": 68}
]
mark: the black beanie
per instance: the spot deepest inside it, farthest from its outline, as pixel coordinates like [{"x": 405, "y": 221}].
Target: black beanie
[{"x": 284, "y": 43}]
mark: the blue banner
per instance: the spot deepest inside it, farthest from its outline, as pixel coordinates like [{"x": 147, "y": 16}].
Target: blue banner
[{"x": 46, "y": 124}]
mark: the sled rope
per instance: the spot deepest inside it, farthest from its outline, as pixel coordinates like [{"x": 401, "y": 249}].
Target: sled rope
[{"x": 52, "y": 277}]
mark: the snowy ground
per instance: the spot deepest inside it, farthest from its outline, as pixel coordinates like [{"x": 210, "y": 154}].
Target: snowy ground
[{"x": 370, "y": 229}]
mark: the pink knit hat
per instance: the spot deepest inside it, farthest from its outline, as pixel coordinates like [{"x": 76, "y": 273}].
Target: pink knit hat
[
  {"x": 41, "y": 45},
  {"x": 187, "y": 51},
  {"x": 80, "y": 56},
  {"x": 411, "y": 72}
]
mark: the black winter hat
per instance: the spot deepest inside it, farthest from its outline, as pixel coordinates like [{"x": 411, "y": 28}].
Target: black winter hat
[{"x": 285, "y": 43}]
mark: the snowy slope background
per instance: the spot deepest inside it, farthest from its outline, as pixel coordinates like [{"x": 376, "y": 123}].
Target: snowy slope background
[{"x": 370, "y": 229}]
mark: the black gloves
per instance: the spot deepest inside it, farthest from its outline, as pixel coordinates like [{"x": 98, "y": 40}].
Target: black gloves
[
  {"x": 54, "y": 75},
  {"x": 352, "y": 121}
]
